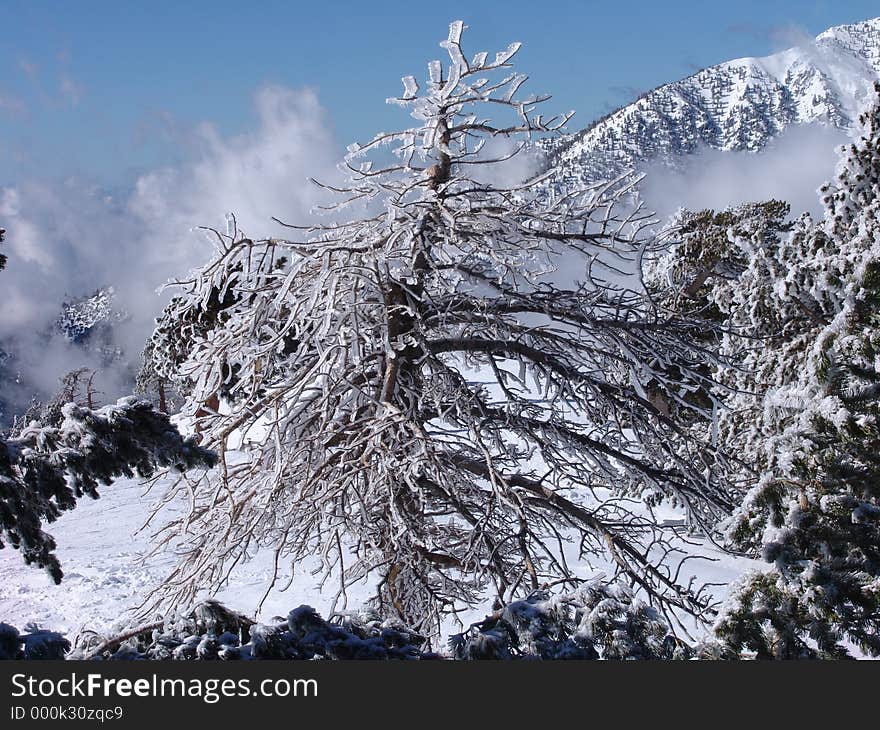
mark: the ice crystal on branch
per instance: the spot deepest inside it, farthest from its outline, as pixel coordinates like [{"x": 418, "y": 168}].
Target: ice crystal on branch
[{"x": 439, "y": 395}]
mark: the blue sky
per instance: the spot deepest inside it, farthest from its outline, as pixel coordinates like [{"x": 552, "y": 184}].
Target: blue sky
[{"x": 104, "y": 91}]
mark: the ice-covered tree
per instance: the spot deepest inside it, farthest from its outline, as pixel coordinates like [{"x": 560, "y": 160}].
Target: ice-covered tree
[
  {"x": 447, "y": 394},
  {"x": 175, "y": 337},
  {"x": 77, "y": 386},
  {"x": 815, "y": 510},
  {"x": 740, "y": 269}
]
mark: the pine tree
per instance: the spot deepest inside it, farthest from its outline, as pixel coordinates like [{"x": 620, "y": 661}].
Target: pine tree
[
  {"x": 816, "y": 507},
  {"x": 735, "y": 268},
  {"x": 77, "y": 386},
  {"x": 441, "y": 394}
]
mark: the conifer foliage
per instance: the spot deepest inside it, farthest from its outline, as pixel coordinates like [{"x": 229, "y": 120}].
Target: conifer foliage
[
  {"x": 816, "y": 507},
  {"x": 36, "y": 643},
  {"x": 596, "y": 621},
  {"x": 734, "y": 269},
  {"x": 44, "y": 470},
  {"x": 434, "y": 394}
]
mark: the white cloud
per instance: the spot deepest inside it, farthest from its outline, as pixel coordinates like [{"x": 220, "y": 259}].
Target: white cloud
[
  {"x": 792, "y": 35},
  {"x": 67, "y": 239},
  {"x": 791, "y": 168},
  {"x": 255, "y": 175}
]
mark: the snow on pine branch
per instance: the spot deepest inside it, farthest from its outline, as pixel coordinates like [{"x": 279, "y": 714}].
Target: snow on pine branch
[{"x": 45, "y": 470}]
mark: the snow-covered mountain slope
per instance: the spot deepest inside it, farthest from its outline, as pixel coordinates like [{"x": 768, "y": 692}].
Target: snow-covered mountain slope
[
  {"x": 89, "y": 322},
  {"x": 84, "y": 315},
  {"x": 738, "y": 105}
]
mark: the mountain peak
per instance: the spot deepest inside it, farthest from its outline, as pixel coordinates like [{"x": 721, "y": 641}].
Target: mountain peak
[
  {"x": 854, "y": 32},
  {"x": 736, "y": 105}
]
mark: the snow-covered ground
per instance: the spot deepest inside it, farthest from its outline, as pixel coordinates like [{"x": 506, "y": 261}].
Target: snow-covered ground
[{"x": 107, "y": 572}]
